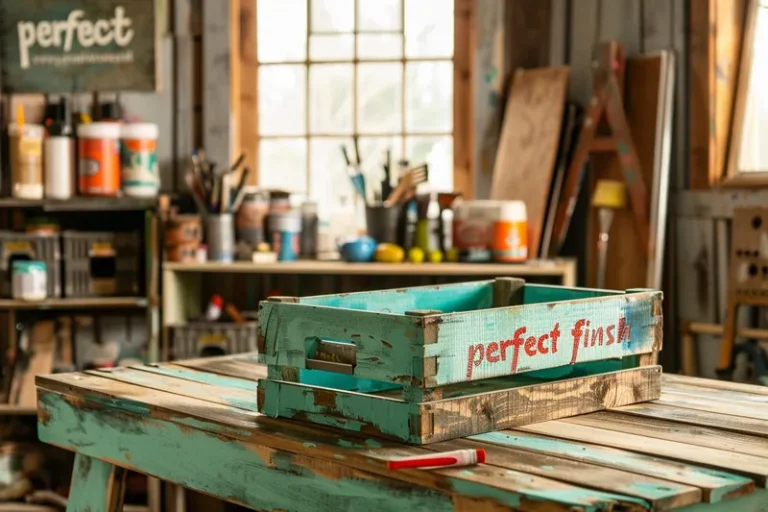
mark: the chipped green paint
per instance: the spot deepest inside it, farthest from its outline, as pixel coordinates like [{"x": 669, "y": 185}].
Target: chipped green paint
[
  {"x": 208, "y": 426},
  {"x": 546, "y": 332},
  {"x": 373, "y": 443},
  {"x": 720, "y": 483},
  {"x": 548, "y": 468},
  {"x": 466, "y": 472},
  {"x": 120, "y": 403},
  {"x": 338, "y": 456},
  {"x": 229, "y": 470},
  {"x": 91, "y": 479},
  {"x": 201, "y": 377},
  {"x": 347, "y": 444},
  {"x": 309, "y": 445},
  {"x": 288, "y": 400},
  {"x": 755, "y": 502}
]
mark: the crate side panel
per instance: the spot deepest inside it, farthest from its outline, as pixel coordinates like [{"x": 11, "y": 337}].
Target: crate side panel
[
  {"x": 505, "y": 341},
  {"x": 350, "y": 411},
  {"x": 538, "y": 293},
  {"x": 387, "y": 346},
  {"x": 447, "y": 298}
]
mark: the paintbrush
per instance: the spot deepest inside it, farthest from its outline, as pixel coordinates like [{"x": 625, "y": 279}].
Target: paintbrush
[
  {"x": 240, "y": 189},
  {"x": 609, "y": 196},
  {"x": 189, "y": 178}
]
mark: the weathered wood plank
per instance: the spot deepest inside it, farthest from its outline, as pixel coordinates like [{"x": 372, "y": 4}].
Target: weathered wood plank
[
  {"x": 718, "y": 394},
  {"x": 747, "y": 465},
  {"x": 96, "y": 485},
  {"x": 243, "y": 366},
  {"x": 737, "y": 424},
  {"x": 715, "y": 486},
  {"x": 703, "y": 403},
  {"x": 678, "y": 432},
  {"x": 456, "y": 417},
  {"x": 658, "y": 494},
  {"x": 236, "y": 397},
  {"x": 173, "y": 370},
  {"x": 673, "y": 381}
]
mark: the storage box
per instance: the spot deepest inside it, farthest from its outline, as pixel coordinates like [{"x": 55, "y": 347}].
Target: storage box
[
  {"x": 202, "y": 339},
  {"x": 432, "y": 363},
  {"x": 15, "y": 246},
  {"x": 101, "y": 264}
]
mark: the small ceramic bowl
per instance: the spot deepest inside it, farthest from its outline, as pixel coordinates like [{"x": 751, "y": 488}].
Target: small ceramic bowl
[{"x": 358, "y": 250}]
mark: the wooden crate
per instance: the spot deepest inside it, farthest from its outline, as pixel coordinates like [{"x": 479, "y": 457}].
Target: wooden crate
[{"x": 427, "y": 364}]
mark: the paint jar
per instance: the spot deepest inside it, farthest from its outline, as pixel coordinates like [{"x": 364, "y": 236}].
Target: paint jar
[
  {"x": 310, "y": 225},
  {"x": 139, "y": 172},
  {"x": 59, "y": 162},
  {"x": 98, "y": 159},
  {"x": 473, "y": 229},
  {"x": 220, "y": 237},
  {"x": 29, "y": 280},
  {"x": 509, "y": 243},
  {"x": 285, "y": 228},
  {"x": 251, "y": 217},
  {"x": 26, "y": 151}
]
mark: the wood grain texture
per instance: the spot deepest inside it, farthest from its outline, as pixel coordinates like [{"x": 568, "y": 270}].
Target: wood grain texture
[
  {"x": 464, "y": 38},
  {"x": 249, "y": 86},
  {"x": 528, "y": 146}
]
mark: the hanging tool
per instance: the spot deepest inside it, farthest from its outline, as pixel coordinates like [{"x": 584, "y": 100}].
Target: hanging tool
[
  {"x": 407, "y": 184},
  {"x": 606, "y": 103},
  {"x": 609, "y": 196}
]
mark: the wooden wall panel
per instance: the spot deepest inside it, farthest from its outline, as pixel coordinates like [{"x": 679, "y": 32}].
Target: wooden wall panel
[{"x": 463, "y": 106}]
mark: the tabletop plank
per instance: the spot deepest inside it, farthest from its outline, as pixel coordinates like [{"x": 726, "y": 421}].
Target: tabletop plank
[
  {"x": 680, "y": 432},
  {"x": 739, "y": 424},
  {"x": 671, "y": 379},
  {"x": 713, "y": 404},
  {"x": 715, "y": 486},
  {"x": 236, "y": 397},
  {"x": 751, "y": 466},
  {"x": 178, "y": 371},
  {"x": 243, "y": 366}
]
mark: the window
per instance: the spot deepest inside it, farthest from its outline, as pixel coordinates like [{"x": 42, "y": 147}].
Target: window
[{"x": 381, "y": 70}]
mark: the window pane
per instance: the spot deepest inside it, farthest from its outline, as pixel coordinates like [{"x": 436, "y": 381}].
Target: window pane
[
  {"x": 332, "y": 15},
  {"x": 438, "y": 153},
  {"x": 281, "y": 100},
  {"x": 282, "y": 30},
  {"x": 332, "y": 47},
  {"x": 429, "y": 96},
  {"x": 330, "y": 98},
  {"x": 283, "y": 164},
  {"x": 373, "y": 150},
  {"x": 378, "y": 15},
  {"x": 428, "y": 28},
  {"x": 380, "y": 46},
  {"x": 379, "y": 97},
  {"x": 329, "y": 182},
  {"x": 753, "y": 154}
]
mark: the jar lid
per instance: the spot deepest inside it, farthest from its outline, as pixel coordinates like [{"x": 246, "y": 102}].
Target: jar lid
[
  {"x": 139, "y": 131},
  {"x": 100, "y": 130},
  {"x": 27, "y": 265}
]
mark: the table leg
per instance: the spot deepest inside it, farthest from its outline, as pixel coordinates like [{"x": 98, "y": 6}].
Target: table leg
[{"x": 97, "y": 486}]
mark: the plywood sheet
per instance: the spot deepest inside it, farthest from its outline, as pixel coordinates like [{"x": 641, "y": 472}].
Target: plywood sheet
[{"x": 529, "y": 141}]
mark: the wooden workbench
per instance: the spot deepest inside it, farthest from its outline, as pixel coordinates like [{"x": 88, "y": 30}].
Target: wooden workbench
[{"x": 702, "y": 446}]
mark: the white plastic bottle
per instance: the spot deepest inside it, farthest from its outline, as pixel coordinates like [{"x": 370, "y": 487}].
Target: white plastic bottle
[{"x": 59, "y": 162}]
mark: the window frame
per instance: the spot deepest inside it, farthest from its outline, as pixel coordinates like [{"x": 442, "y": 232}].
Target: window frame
[{"x": 463, "y": 107}]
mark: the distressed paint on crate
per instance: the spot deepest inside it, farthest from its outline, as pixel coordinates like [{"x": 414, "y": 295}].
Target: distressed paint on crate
[
  {"x": 439, "y": 420},
  {"x": 98, "y": 484},
  {"x": 442, "y": 349},
  {"x": 266, "y": 478}
]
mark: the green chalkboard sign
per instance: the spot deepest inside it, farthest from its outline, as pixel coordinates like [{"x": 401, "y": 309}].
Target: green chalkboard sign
[{"x": 55, "y": 46}]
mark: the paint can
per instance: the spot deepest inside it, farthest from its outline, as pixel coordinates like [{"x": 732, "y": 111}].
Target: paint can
[
  {"x": 26, "y": 151},
  {"x": 98, "y": 159},
  {"x": 29, "y": 280},
  {"x": 509, "y": 242},
  {"x": 473, "y": 229},
  {"x": 285, "y": 228},
  {"x": 59, "y": 162},
  {"x": 251, "y": 217},
  {"x": 139, "y": 172}
]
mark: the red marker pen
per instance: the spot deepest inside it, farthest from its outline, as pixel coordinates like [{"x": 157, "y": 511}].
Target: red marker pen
[{"x": 440, "y": 460}]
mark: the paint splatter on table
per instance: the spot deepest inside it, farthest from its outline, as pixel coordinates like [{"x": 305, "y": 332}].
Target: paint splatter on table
[{"x": 703, "y": 446}]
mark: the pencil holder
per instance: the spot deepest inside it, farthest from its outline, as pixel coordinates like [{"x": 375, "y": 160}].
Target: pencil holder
[{"x": 220, "y": 236}]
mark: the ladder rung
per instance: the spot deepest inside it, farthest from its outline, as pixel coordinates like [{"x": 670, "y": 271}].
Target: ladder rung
[{"x": 603, "y": 144}]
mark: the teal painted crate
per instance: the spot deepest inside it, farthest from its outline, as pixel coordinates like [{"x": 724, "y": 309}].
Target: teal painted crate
[{"x": 425, "y": 364}]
